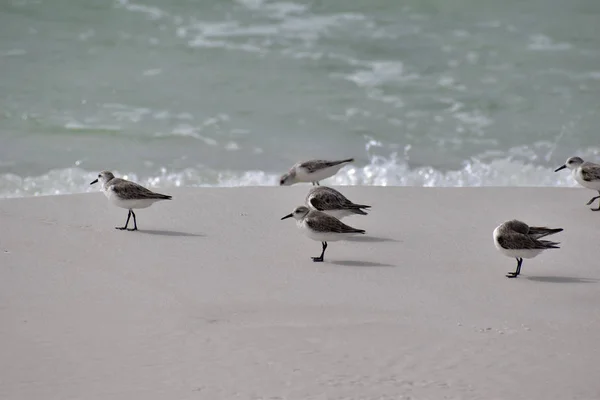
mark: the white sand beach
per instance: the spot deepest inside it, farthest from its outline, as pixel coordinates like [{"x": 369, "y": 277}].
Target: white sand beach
[{"x": 216, "y": 298}]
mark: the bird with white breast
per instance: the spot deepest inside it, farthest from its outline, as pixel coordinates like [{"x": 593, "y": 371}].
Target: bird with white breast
[
  {"x": 518, "y": 240},
  {"x": 321, "y": 227},
  {"x": 587, "y": 174},
  {"x": 126, "y": 194}
]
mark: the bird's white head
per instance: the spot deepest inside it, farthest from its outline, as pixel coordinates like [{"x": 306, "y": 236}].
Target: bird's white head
[
  {"x": 572, "y": 163},
  {"x": 103, "y": 177},
  {"x": 298, "y": 213}
]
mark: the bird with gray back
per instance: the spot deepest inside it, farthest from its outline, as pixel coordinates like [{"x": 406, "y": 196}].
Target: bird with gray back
[
  {"x": 518, "y": 240},
  {"x": 332, "y": 202},
  {"x": 312, "y": 171},
  {"x": 587, "y": 174},
  {"x": 126, "y": 194},
  {"x": 321, "y": 227}
]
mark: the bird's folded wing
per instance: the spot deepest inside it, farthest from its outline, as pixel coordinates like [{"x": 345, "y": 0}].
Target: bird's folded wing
[
  {"x": 590, "y": 173},
  {"x": 330, "y": 201},
  {"x": 131, "y": 190},
  {"x": 518, "y": 241},
  {"x": 315, "y": 165},
  {"x": 538, "y": 232},
  {"x": 329, "y": 224}
]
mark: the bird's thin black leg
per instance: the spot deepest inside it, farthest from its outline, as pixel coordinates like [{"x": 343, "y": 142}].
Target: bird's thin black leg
[
  {"x": 518, "y": 271},
  {"x": 122, "y": 228},
  {"x": 318, "y": 184},
  {"x": 320, "y": 258},
  {"x": 134, "y": 222},
  {"x": 592, "y": 200}
]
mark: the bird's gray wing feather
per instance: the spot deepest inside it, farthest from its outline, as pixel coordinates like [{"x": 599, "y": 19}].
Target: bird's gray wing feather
[
  {"x": 327, "y": 224},
  {"x": 128, "y": 190},
  {"x": 538, "y": 232},
  {"x": 590, "y": 172},
  {"x": 316, "y": 165},
  {"x": 518, "y": 226},
  {"x": 518, "y": 241},
  {"x": 328, "y": 199}
]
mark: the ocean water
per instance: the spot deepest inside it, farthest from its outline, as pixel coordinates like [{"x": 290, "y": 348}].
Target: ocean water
[{"x": 225, "y": 93}]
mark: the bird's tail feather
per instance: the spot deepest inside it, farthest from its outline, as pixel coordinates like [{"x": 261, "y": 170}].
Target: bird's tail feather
[
  {"x": 550, "y": 245},
  {"x": 541, "y": 231}
]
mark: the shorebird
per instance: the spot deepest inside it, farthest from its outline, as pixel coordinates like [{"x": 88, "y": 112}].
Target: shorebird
[
  {"x": 321, "y": 227},
  {"x": 126, "y": 194},
  {"x": 312, "y": 171},
  {"x": 517, "y": 239},
  {"x": 587, "y": 174},
  {"x": 332, "y": 202}
]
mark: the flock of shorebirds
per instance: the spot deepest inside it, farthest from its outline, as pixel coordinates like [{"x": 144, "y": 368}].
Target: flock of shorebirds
[{"x": 319, "y": 218}]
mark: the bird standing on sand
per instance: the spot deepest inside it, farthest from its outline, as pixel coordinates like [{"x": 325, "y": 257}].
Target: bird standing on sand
[
  {"x": 332, "y": 202},
  {"x": 587, "y": 174},
  {"x": 519, "y": 240},
  {"x": 126, "y": 194},
  {"x": 312, "y": 171},
  {"x": 321, "y": 227}
]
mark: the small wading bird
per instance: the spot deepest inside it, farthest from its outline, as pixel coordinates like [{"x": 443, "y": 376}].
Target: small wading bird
[
  {"x": 517, "y": 239},
  {"x": 332, "y": 202},
  {"x": 587, "y": 174},
  {"x": 321, "y": 227},
  {"x": 126, "y": 194},
  {"x": 312, "y": 171}
]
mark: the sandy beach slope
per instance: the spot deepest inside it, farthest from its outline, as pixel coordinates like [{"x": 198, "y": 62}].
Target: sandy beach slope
[{"x": 216, "y": 298}]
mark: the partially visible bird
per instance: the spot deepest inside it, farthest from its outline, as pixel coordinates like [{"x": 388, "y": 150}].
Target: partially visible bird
[
  {"x": 332, "y": 202},
  {"x": 586, "y": 173}
]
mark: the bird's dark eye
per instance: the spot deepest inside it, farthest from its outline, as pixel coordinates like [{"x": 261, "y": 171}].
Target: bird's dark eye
[{"x": 99, "y": 176}]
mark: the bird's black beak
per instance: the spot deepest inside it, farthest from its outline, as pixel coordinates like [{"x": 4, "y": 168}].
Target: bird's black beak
[
  {"x": 561, "y": 167},
  {"x": 94, "y": 181},
  {"x": 287, "y": 216}
]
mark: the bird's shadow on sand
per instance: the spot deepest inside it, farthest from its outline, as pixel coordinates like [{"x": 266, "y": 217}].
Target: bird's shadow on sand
[
  {"x": 561, "y": 279},
  {"x": 371, "y": 239},
  {"x": 169, "y": 233},
  {"x": 353, "y": 263}
]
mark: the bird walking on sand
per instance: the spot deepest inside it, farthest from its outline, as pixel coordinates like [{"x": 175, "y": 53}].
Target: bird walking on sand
[
  {"x": 126, "y": 194},
  {"x": 517, "y": 239},
  {"x": 587, "y": 174},
  {"x": 321, "y": 227},
  {"x": 312, "y": 171},
  {"x": 332, "y": 202}
]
